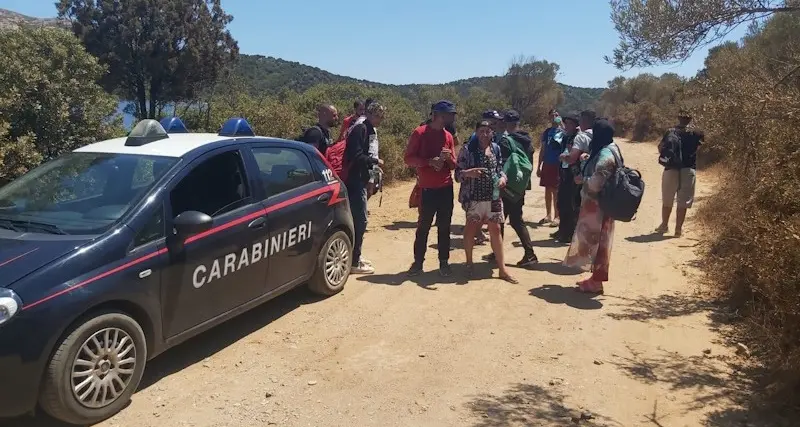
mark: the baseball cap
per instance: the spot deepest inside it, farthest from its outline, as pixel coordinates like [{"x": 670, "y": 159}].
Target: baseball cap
[
  {"x": 481, "y": 124},
  {"x": 491, "y": 114},
  {"x": 444, "y": 106},
  {"x": 684, "y": 113},
  {"x": 511, "y": 116}
]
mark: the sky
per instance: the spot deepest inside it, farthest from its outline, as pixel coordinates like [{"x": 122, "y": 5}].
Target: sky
[{"x": 423, "y": 41}]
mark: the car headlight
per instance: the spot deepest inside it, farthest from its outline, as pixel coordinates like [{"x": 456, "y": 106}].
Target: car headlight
[{"x": 10, "y": 304}]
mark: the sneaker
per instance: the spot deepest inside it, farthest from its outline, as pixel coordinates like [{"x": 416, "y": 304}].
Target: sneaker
[
  {"x": 528, "y": 260},
  {"x": 415, "y": 270},
  {"x": 362, "y": 268},
  {"x": 444, "y": 269},
  {"x": 489, "y": 257},
  {"x": 366, "y": 261}
]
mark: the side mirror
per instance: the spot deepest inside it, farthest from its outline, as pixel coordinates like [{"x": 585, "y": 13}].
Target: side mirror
[{"x": 186, "y": 225}]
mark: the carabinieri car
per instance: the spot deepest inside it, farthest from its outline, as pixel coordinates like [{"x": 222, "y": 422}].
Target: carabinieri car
[{"x": 115, "y": 252}]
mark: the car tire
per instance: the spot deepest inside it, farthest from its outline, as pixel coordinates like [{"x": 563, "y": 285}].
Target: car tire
[
  {"x": 84, "y": 351},
  {"x": 333, "y": 265}
]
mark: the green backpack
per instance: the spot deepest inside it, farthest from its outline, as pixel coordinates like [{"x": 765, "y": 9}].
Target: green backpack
[{"x": 518, "y": 169}]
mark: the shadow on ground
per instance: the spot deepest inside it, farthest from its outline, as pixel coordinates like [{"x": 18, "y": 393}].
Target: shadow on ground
[
  {"x": 650, "y": 238},
  {"x": 661, "y": 307},
  {"x": 198, "y": 348},
  {"x": 556, "y": 294},
  {"x": 531, "y": 405},
  {"x": 711, "y": 381}
]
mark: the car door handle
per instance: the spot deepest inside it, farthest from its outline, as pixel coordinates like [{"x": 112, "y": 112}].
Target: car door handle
[
  {"x": 258, "y": 223},
  {"x": 324, "y": 197}
]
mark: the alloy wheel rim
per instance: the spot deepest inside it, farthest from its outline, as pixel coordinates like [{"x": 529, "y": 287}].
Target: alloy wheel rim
[
  {"x": 103, "y": 368},
  {"x": 337, "y": 260}
]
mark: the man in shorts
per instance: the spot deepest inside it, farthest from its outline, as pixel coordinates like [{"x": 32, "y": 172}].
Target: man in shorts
[{"x": 679, "y": 182}]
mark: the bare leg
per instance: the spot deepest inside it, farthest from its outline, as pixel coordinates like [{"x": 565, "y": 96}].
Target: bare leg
[
  {"x": 497, "y": 247},
  {"x": 680, "y": 216},
  {"x": 548, "y": 201},
  {"x": 554, "y": 196},
  {"x": 666, "y": 211},
  {"x": 470, "y": 230}
]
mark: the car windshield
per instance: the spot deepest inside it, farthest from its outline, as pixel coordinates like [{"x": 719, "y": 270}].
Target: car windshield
[{"x": 79, "y": 193}]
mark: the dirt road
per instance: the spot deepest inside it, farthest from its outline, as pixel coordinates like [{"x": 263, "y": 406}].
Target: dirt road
[{"x": 390, "y": 351}]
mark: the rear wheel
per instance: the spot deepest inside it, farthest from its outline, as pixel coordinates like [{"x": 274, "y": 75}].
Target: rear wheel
[
  {"x": 95, "y": 370},
  {"x": 333, "y": 265}
]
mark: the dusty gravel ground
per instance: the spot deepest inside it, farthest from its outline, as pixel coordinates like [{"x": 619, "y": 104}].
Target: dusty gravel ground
[{"x": 392, "y": 351}]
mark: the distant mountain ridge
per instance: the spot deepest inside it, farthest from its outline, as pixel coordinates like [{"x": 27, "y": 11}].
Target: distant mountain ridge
[
  {"x": 269, "y": 75},
  {"x": 11, "y": 20}
]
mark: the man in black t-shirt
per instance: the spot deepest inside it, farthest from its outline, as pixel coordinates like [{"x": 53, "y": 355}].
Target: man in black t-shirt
[
  {"x": 319, "y": 135},
  {"x": 680, "y": 181}
]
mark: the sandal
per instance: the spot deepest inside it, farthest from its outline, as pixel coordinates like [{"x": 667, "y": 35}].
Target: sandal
[
  {"x": 590, "y": 286},
  {"x": 662, "y": 229},
  {"x": 510, "y": 279}
]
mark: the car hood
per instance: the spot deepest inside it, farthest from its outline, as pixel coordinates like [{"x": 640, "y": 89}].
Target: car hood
[{"x": 22, "y": 254}]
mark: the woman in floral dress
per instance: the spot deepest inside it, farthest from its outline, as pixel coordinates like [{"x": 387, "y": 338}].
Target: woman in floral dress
[{"x": 591, "y": 244}]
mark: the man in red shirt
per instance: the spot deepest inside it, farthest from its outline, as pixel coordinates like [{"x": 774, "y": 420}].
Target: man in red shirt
[
  {"x": 358, "y": 111},
  {"x": 431, "y": 151}
]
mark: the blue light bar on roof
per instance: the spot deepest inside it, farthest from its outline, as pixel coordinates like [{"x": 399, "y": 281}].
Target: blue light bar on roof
[
  {"x": 173, "y": 125},
  {"x": 236, "y": 126}
]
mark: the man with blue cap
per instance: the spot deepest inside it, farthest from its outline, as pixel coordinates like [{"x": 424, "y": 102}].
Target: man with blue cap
[{"x": 431, "y": 151}]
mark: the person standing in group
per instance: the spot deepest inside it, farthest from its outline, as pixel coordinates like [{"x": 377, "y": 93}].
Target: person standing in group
[
  {"x": 549, "y": 165},
  {"x": 319, "y": 135},
  {"x": 358, "y": 111},
  {"x": 569, "y": 198},
  {"x": 431, "y": 151},
  {"x": 580, "y": 146},
  {"x": 678, "y": 155},
  {"x": 594, "y": 236},
  {"x": 495, "y": 121},
  {"x": 513, "y": 204},
  {"x": 360, "y": 165},
  {"x": 480, "y": 172}
]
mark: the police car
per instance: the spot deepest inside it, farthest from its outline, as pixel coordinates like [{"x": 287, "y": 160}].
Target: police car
[{"x": 113, "y": 253}]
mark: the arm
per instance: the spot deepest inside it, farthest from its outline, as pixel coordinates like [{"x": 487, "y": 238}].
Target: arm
[
  {"x": 449, "y": 143},
  {"x": 462, "y": 164},
  {"x": 605, "y": 167},
  {"x": 411, "y": 156},
  {"x": 355, "y": 148}
]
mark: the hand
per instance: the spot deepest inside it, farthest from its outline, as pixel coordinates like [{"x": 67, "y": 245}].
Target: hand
[
  {"x": 539, "y": 172},
  {"x": 502, "y": 183},
  {"x": 436, "y": 163},
  {"x": 579, "y": 180},
  {"x": 584, "y": 157},
  {"x": 475, "y": 172},
  {"x": 446, "y": 152},
  {"x": 380, "y": 162}
]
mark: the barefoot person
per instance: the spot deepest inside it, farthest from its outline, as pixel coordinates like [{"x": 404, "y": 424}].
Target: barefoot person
[
  {"x": 480, "y": 173},
  {"x": 591, "y": 244}
]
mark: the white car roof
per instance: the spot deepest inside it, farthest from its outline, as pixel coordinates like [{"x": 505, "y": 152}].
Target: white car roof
[{"x": 176, "y": 145}]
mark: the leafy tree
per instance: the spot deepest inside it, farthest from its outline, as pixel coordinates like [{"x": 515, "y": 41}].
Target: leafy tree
[
  {"x": 50, "y": 102},
  {"x": 157, "y": 51},
  {"x": 669, "y": 31},
  {"x": 531, "y": 88}
]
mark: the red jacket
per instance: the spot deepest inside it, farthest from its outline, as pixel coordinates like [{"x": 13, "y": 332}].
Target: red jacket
[{"x": 426, "y": 143}]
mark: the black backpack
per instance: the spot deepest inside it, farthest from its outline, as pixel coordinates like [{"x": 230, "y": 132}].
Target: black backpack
[
  {"x": 622, "y": 192},
  {"x": 670, "y": 153}
]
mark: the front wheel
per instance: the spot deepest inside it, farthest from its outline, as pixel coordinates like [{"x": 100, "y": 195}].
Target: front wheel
[
  {"x": 333, "y": 265},
  {"x": 95, "y": 370}
]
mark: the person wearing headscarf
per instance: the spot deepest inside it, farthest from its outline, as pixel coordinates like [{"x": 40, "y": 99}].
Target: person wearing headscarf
[{"x": 590, "y": 249}]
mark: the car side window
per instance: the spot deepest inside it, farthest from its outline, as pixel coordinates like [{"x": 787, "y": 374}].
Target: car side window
[
  {"x": 282, "y": 169},
  {"x": 152, "y": 231},
  {"x": 216, "y": 186}
]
